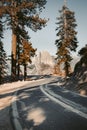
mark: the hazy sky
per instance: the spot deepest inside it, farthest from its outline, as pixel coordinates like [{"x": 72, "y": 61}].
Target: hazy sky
[{"x": 45, "y": 38}]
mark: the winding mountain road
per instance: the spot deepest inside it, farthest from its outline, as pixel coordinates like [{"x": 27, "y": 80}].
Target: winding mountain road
[{"x": 46, "y": 107}]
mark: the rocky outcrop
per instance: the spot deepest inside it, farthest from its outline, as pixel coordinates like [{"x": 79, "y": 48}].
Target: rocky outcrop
[{"x": 78, "y": 81}]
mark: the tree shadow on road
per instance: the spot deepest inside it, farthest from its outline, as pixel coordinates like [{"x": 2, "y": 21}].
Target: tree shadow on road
[{"x": 38, "y": 112}]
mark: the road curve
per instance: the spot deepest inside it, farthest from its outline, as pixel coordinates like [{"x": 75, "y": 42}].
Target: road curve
[{"x": 33, "y": 110}]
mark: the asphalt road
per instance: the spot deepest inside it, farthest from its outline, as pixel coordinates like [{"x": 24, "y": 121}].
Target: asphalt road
[{"x": 36, "y": 111}]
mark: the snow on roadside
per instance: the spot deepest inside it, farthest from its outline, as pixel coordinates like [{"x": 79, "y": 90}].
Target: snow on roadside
[
  {"x": 11, "y": 86},
  {"x": 6, "y": 91}
]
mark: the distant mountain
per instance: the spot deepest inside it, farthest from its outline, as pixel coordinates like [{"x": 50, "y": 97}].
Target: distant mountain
[{"x": 44, "y": 63}]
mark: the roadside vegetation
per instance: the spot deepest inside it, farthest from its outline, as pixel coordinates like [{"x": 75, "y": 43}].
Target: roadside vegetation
[{"x": 18, "y": 15}]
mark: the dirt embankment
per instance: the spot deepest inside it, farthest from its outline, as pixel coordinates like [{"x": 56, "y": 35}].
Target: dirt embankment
[{"x": 78, "y": 80}]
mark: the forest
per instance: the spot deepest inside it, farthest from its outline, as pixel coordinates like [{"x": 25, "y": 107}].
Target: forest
[{"x": 17, "y": 15}]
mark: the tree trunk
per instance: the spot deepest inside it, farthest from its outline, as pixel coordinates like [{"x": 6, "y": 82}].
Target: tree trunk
[
  {"x": 25, "y": 71},
  {"x": 18, "y": 65},
  {"x": 66, "y": 69},
  {"x": 18, "y": 71},
  {"x": 13, "y": 61}
]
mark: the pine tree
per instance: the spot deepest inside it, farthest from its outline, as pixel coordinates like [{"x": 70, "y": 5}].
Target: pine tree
[
  {"x": 21, "y": 34},
  {"x": 66, "y": 38},
  {"x": 25, "y": 56},
  {"x": 24, "y": 12},
  {"x": 3, "y": 64}
]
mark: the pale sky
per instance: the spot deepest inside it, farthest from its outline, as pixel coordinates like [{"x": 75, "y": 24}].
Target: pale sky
[{"x": 45, "y": 38}]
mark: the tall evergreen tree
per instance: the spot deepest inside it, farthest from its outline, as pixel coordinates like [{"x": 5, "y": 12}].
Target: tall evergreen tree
[
  {"x": 21, "y": 34},
  {"x": 25, "y": 12},
  {"x": 66, "y": 38},
  {"x": 3, "y": 64},
  {"x": 25, "y": 56}
]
